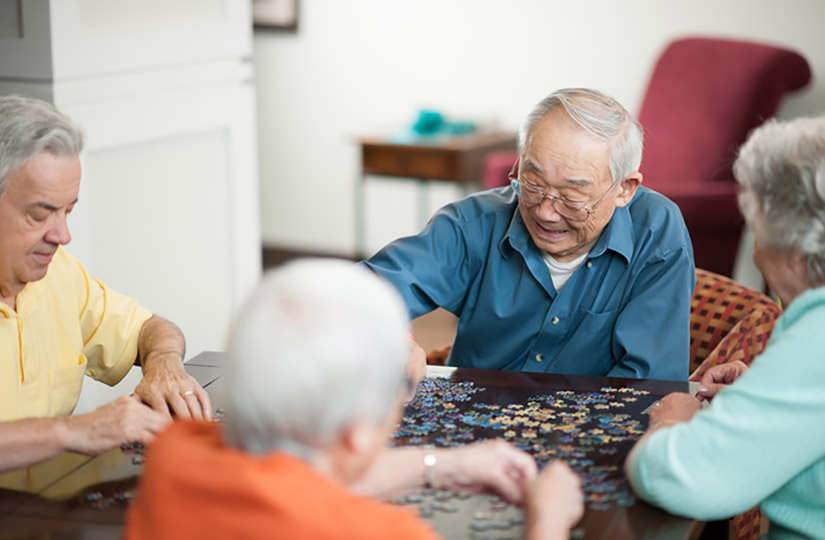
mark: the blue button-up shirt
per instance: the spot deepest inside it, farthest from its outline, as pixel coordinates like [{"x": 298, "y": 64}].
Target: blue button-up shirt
[{"x": 624, "y": 313}]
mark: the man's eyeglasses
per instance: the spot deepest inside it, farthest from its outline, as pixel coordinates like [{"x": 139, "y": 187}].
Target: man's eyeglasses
[{"x": 568, "y": 209}]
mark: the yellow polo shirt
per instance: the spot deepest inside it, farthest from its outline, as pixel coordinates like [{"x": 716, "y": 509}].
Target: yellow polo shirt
[{"x": 66, "y": 325}]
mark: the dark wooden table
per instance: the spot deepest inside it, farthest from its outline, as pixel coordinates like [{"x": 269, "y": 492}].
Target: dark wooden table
[
  {"x": 73, "y": 496},
  {"x": 497, "y": 396},
  {"x": 457, "y": 159}
]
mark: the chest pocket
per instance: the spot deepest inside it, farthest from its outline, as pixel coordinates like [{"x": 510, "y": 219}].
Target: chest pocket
[
  {"x": 588, "y": 351},
  {"x": 65, "y": 383}
]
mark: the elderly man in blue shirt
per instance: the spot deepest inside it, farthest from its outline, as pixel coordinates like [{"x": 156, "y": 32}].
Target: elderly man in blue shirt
[{"x": 573, "y": 268}]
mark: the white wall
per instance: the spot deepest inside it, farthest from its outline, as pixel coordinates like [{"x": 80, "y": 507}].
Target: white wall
[
  {"x": 367, "y": 66},
  {"x": 168, "y": 210}
]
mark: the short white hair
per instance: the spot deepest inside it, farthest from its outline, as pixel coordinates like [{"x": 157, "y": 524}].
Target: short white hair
[
  {"x": 601, "y": 116},
  {"x": 781, "y": 172},
  {"x": 319, "y": 345},
  {"x": 30, "y": 126}
]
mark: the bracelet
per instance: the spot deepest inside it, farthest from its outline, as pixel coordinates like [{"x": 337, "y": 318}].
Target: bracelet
[
  {"x": 661, "y": 423},
  {"x": 429, "y": 468}
]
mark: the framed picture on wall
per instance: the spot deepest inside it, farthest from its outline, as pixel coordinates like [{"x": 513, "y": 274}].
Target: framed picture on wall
[{"x": 281, "y": 15}]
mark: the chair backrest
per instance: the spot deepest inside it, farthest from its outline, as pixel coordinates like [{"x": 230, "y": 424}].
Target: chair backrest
[
  {"x": 704, "y": 97},
  {"x": 728, "y": 322},
  {"x": 496, "y": 167}
]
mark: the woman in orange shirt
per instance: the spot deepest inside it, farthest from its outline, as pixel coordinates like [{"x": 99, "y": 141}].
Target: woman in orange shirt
[{"x": 315, "y": 386}]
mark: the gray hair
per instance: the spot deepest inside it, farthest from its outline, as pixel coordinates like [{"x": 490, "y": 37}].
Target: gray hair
[
  {"x": 29, "y": 126},
  {"x": 601, "y": 116},
  {"x": 319, "y": 345},
  {"x": 781, "y": 172}
]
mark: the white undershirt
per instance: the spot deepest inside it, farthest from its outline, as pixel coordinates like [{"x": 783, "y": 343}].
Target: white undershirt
[{"x": 560, "y": 272}]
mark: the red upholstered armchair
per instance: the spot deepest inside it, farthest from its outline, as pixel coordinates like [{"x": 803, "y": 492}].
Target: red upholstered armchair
[{"x": 704, "y": 97}]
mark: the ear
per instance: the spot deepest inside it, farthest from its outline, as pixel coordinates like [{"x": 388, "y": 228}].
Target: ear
[
  {"x": 627, "y": 188},
  {"x": 798, "y": 262},
  {"x": 358, "y": 437}
]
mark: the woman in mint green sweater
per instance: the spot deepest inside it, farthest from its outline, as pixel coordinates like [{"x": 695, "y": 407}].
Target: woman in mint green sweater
[{"x": 762, "y": 440}]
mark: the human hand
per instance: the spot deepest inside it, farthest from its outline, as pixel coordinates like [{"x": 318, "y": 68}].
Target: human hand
[
  {"x": 438, "y": 357},
  {"x": 492, "y": 465},
  {"x": 718, "y": 377},
  {"x": 123, "y": 421},
  {"x": 674, "y": 408},
  {"x": 166, "y": 385},
  {"x": 555, "y": 502}
]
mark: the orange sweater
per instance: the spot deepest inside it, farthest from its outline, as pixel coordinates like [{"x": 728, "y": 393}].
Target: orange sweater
[{"x": 194, "y": 486}]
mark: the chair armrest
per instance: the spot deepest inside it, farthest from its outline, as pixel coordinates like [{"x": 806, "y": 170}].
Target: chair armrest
[{"x": 707, "y": 207}]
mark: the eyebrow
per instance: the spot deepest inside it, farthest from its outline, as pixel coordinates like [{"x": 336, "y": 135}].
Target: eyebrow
[
  {"x": 50, "y": 207},
  {"x": 578, "y": 183}
]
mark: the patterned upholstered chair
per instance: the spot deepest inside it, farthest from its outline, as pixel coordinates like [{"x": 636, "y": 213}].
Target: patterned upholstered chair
[{"x": 728, "y": 322}]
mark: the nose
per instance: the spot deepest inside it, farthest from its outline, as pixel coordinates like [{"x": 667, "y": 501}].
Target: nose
[
  {"x": 59, "y": 233},
  {"x": 546, "y": 211}
]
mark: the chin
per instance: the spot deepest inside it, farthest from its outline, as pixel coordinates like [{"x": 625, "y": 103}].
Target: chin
[
  {"x": 34, "y": 275},
  {"x": 553, "y": 249}
]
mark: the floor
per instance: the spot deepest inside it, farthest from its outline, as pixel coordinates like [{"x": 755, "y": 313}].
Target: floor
[{"x": 435, "y": 329}]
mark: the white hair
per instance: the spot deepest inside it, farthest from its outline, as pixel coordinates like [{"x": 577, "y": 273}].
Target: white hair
[
  {"x": 601, "y": 116},
  {"x": 30, "y": 126},
  {"x": 781, "y": 172},
  {"x": 320, "y": 344}
]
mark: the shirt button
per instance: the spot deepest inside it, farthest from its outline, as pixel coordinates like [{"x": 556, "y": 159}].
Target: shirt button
[
  {"x": 554, "y": 320},
  {"x": 589, "y": 264},
  {"x": 539, "y": 358}
]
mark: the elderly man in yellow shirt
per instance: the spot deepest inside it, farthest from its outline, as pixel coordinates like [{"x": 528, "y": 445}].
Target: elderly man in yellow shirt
[{"x": 57, "y": 323}]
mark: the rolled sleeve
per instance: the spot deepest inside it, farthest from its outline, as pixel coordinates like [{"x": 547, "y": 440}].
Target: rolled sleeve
[{"x": 431, "y": 269}]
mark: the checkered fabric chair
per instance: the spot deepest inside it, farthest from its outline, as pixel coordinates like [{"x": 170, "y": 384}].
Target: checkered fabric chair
[{"x": 729, "y": 322}]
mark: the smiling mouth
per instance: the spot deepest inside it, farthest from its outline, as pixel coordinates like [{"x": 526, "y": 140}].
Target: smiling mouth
[{"x": 552, "y": 232}]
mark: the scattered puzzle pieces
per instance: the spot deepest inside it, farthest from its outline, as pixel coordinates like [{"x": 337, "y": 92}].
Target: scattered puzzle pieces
[{"x": 584, "y": 429}]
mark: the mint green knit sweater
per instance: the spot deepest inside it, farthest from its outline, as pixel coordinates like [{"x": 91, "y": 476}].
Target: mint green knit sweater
[{"x": 762, "y": 440}]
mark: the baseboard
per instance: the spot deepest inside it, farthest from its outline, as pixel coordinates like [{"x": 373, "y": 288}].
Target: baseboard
[{"x": 275, "y": 256}]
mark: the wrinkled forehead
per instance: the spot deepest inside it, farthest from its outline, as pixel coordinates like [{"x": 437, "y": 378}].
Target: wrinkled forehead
[
  {"x": 45, "y": 174},
  {"x": 558, "y": 143}
]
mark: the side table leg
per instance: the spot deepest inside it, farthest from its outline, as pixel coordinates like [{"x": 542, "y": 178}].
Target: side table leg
[
  {"x": 360, "y": 219},
  {"x": 423, "y": 203}
]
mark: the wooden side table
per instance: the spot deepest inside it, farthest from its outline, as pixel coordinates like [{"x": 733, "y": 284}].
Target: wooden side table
[{"x": 458, "y": 159}]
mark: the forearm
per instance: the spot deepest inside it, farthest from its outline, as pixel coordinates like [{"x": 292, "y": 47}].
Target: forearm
[
  {"x": 633, "y": 451},
  {"x": 166, "y": 385},
  {"x": 30, "y": 441},
  {"x": 679, "y": 470},
  {"x": 394, "y": 472},
  {"x": 160, "y": 341},
  {"x": 542, "y": 525}
]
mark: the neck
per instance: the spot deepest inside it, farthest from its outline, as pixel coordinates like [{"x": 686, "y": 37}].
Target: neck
[
  {"x": 338, "y": 464},
  {"x": 8, "y": 294}
]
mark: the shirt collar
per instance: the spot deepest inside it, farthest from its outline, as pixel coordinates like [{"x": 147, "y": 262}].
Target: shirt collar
[
  {"x": 617, "y": 235},
  {"x": 517, "y": 237}
]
